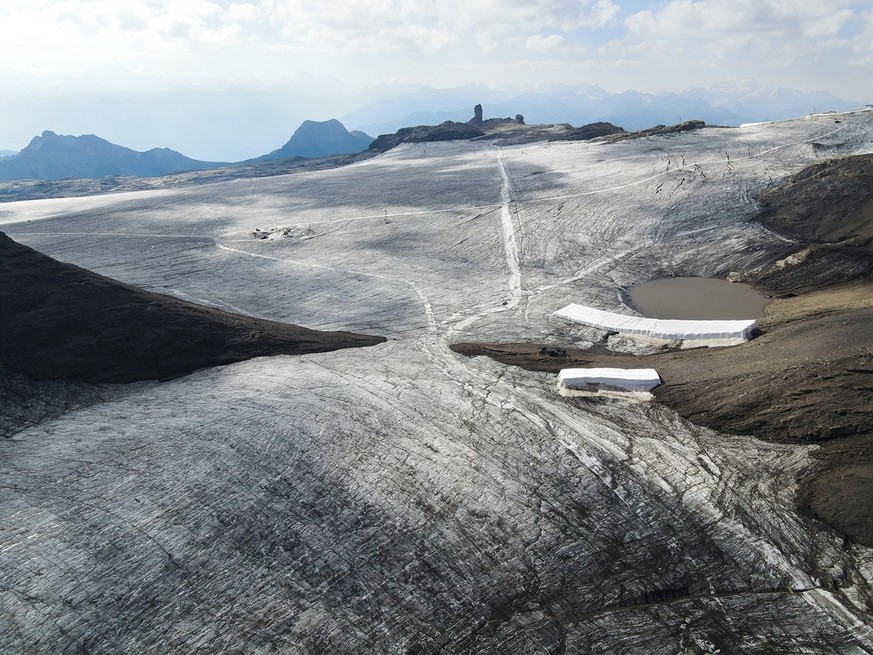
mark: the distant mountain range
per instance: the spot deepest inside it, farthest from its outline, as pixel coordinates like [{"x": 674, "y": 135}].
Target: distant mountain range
[
  {"x": 725, "y": 104},
  {"x": 235, "y": 124},
  {"x": 53, "y": 156},
  {"x": 228, "y": 124},
  {"x": 320, "y": 139}
]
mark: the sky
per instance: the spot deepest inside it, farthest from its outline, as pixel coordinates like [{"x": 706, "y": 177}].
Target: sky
[
  {"x": 225, "y": 80},
  {"x": 58, "y": 46}
]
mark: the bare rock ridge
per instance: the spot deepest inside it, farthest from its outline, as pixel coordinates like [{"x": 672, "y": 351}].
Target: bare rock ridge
[
  {"x": 477, "y": 115},
  {"x": 445, "y": 131},
  {"x": 61, "y": 321},
  {"x": 831, "y": 202},
  {"x": 590, "y": 131},
  {"x": 609, "y": 133},
  {"x": 479, "y": 121},
  {"x": 657, "y": 130}
]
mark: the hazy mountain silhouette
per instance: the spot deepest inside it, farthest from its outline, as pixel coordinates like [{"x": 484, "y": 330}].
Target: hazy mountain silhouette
[
  {"x": 321, "y": 139},
  {"x": 753, "y": 102},
  {"x": 239, "y": 123},
  {"x": 724, "y": 104},
  {"x": 224, "y": 124},
  {"x": 7, "y": 153},
  {"x": 52, "y": 157}
]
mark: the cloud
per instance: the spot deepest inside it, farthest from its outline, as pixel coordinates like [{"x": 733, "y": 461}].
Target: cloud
[
  {"x": 365, "y": 42},
  {"x": 862, "y": 43},
  {"x": 339, "y": 26},
  {"x": 108, "y": 24},
  {"x": 729, "y": 26},
  {"x": 544, "y": 42},
  {"x": 164, "y": 42}
]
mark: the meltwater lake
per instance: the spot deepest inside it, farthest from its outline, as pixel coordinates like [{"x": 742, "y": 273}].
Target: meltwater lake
[{"x": 696, "y": 298}]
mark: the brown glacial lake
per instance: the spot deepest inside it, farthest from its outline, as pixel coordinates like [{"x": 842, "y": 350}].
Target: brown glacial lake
[{"x": 696, "y": 298}]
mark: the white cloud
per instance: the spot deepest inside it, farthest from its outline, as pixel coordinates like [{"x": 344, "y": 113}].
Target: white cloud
[
  {"x": 544, "y": 42},
  {"x": 107, "y": 24},
  {"x": 862, "y": 44},
  {"x": 721, "y": 19},
  {"x": 347, "y": 25},
  {"x": 757, "y": 38},
  {"x": 367, "y": 41},
  {"x": 234, "y": 39}
]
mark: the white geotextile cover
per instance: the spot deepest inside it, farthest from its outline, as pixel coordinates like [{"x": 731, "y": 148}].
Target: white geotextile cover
[
  {"x": 631, "y": 379},
  {"x": 659, "y": 328}
]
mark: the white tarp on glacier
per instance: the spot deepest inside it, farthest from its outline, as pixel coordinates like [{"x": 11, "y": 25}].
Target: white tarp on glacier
[
  {"x": 699, "y": 332},
  {"x": 623, "y": 379}
]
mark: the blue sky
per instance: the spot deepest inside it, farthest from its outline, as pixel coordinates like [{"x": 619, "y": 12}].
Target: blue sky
[{"x": 63, "y": 45}]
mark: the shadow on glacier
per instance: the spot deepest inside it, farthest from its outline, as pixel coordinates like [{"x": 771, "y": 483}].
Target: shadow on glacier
[{"x": 334, "y": 527}]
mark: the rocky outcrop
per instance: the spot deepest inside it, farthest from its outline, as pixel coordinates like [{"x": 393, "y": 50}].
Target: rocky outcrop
[
  {"x": 479, "y": 121},
  {"x": 658, "y": 130},
  {"x": 446, "y": 131},
  {"x": 477, "y": 115},
  {"x": 591, "y": 131},
  {"x": 62, "y": 321}
]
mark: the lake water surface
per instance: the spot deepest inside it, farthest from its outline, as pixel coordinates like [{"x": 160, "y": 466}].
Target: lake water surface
[{"x": 696, "y": 298}]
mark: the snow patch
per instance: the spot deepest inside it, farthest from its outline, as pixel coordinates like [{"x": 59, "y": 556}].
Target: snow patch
[
  {"x": 696, "y": 333},
  {"x": 619, "y": 379}
]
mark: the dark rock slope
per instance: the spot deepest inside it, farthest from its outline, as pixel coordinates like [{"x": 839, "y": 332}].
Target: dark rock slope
[
  {"x": 831, "y": 202},
  {"x": 446, "y": 131},
  {"x": 828, "y": 208},
  {"x": 590, "y": 131},
  {"x": 61, "y": 321},
  {"x": 53, "y": 156},
  {"x": 657, "y": 130}
]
